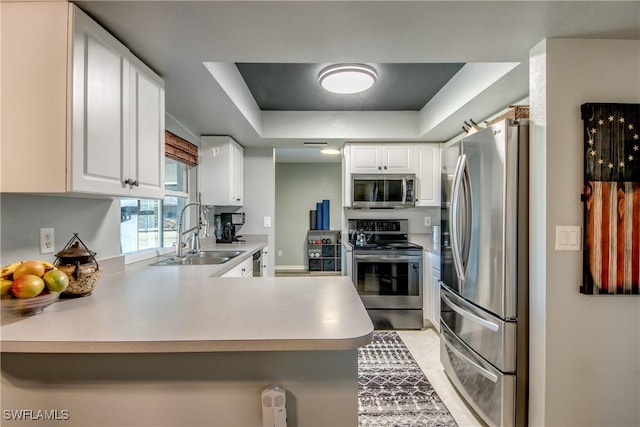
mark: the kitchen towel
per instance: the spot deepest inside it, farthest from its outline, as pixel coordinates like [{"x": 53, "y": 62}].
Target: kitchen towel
[{"x": 325, "y": 214}]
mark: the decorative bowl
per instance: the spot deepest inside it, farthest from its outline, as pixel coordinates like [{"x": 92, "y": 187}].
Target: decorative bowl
[{"x": 28, "y": 306}]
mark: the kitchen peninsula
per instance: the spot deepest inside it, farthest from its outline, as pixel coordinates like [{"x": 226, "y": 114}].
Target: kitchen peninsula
[{"x": 176, "y": 345}]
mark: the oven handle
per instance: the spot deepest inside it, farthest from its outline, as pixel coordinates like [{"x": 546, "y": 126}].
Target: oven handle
[{"x": 387, "y": 257}]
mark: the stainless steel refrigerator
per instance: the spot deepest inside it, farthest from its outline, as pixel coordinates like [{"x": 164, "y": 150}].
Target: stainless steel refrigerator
[{"x": 484, "y": 272}]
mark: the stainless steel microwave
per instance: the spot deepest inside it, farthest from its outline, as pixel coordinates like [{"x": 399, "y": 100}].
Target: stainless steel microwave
[{"x": 383, "y": 190}]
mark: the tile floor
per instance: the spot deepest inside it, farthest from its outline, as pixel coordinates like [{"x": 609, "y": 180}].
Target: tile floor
[{"x": 424, "y": 345}]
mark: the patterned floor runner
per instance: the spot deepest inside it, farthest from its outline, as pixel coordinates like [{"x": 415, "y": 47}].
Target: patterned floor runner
[{"x": 393, "y": 391}]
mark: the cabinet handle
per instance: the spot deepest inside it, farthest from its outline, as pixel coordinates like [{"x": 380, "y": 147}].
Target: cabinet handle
[
  {"x": 131, "y": 183},
  {"x": 379, "y": 168},
  {"x": 385, "y": 168}
]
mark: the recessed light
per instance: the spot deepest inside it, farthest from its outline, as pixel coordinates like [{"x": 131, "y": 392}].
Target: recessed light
[
  {"x": 347, "y": 78},
  {"x": 330, "y": 151}
]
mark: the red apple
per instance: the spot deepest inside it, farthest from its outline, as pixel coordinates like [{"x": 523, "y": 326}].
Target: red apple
[{"x": 27, "y": 286}]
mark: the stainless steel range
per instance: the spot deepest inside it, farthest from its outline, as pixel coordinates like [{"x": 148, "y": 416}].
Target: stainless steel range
[{"x": 387, "y": 272}]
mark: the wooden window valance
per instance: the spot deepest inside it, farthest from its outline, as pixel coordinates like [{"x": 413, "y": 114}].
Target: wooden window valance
[{"x": 180, "y": 150}]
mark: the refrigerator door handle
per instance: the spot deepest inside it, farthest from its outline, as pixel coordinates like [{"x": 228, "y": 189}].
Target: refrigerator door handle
[
  {"x": 485, "y": 323},
  {"x": 454, "y": 213},
  {"x": 479, "y": 369}
]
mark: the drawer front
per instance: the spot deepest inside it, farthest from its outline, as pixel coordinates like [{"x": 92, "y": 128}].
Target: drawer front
[
  {"x": 491, "y": 337},
  {"x": 489, "y": 392}
]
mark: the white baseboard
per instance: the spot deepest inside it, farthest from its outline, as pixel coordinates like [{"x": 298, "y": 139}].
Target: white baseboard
[{"x": 290, "y": 267}]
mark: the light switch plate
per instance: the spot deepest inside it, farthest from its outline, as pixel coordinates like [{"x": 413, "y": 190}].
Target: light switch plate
[
  {"x": 267, "y": 221},
  {"x": 568, "y": 238}
]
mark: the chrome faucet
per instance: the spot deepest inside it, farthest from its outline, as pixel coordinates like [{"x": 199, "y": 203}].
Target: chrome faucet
[{"x": 195, "y": 242}]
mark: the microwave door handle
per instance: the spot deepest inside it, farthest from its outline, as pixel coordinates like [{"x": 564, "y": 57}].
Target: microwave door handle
[
  {"x": 454, "y": 214},
  {"x": 404, "y": 191}
]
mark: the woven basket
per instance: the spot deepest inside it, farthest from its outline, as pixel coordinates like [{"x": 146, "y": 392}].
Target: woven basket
[
  {"x": 515, "y": 112},
  {"x": 83, "y": 282}
]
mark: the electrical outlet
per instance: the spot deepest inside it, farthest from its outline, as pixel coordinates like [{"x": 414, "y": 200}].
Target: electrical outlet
[
  {"x": 267, "y": 221},
  {"x": 279, "y": 253},
  {"x": 427, "y": 221},
  {"x": 46, "y": 240}
]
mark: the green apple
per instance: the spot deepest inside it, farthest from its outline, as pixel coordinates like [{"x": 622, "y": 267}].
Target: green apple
[
  {"x": 56, "y": 280},
  {"x": 27, "y": 286}
]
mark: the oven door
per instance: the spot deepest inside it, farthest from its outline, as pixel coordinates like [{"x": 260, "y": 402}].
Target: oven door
[{"x": 388, "y": 281}]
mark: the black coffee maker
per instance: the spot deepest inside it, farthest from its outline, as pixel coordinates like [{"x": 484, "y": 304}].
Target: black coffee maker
[{"x": 227, "y": 226}]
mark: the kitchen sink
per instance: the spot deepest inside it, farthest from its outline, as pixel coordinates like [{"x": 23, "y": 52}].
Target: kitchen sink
[{"x": 201, "y": 258}]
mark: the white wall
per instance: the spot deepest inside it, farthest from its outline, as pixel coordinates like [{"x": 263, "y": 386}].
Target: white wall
[
  {"x": 299, "y": 186},
  {"x": 584, "y": 350},
  {"x": 97, "y": 222},
  {"x": 259, "y": 188}
]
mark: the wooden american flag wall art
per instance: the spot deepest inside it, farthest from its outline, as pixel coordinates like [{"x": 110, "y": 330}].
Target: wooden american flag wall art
[{"x": 611, "y": 196}]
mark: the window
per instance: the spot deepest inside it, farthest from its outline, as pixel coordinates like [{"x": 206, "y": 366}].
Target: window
[{"x": 151, "y": 224}]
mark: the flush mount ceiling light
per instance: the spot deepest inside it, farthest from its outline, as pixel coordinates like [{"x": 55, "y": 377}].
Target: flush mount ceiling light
[
  {"x": 347, "y": 78},
  {"x": 330, "y": 151}
]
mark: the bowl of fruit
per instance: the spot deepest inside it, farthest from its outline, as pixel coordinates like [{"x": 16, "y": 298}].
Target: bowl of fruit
[{"x": 28, "y": 287}]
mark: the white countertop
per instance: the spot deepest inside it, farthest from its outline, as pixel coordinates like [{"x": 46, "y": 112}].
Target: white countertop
[{"x": 191, "y": 309}]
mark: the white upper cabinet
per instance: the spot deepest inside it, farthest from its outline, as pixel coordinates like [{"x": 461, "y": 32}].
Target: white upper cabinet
[
  {"x": 99, "y": 114},
  {"x": 382, "y": 158},
  {"x": 221, "y": 170},
  {"x": 146, "y": 153},
  {"x": 427, "y": 158}
]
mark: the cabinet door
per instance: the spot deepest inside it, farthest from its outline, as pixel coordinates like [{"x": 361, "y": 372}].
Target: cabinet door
[
  {"x": 244, "y": 269},
  {"x": 264, "y": 262},
  {"x": 366, "y": 158},
  {"x": 397, "y": 158},
  {"x": 428, "y": 173},
  {"x": 434, "y": 272},
  {"x": 435, "y": 299},
  {"x": 346, "y": 176},
  {"x": 100, "y": 110},
  {"x": 237, "y": 176},
  {"x": 221, "y": 170},
  {"x": 147, "y": 133},
  {"x": 427, "y": 294}
]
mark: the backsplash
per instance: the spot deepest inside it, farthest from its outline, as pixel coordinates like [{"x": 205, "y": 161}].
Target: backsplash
[{"x": 97, "y": 221}]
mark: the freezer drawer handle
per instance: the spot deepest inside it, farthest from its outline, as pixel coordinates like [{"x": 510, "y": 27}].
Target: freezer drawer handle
[
  {"x": 471, "y": 316},
  {"x": 479, "y": 369}
]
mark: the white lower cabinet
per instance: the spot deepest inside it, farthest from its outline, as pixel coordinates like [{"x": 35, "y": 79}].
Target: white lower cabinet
[
  {"x": 431, "y": 280},
  {"x": 244, "y": 269},
  {"x": 264, "y": 262}
]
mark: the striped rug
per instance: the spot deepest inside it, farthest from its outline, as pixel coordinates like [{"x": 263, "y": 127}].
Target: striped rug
[{"x": 393, "y": 390}]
